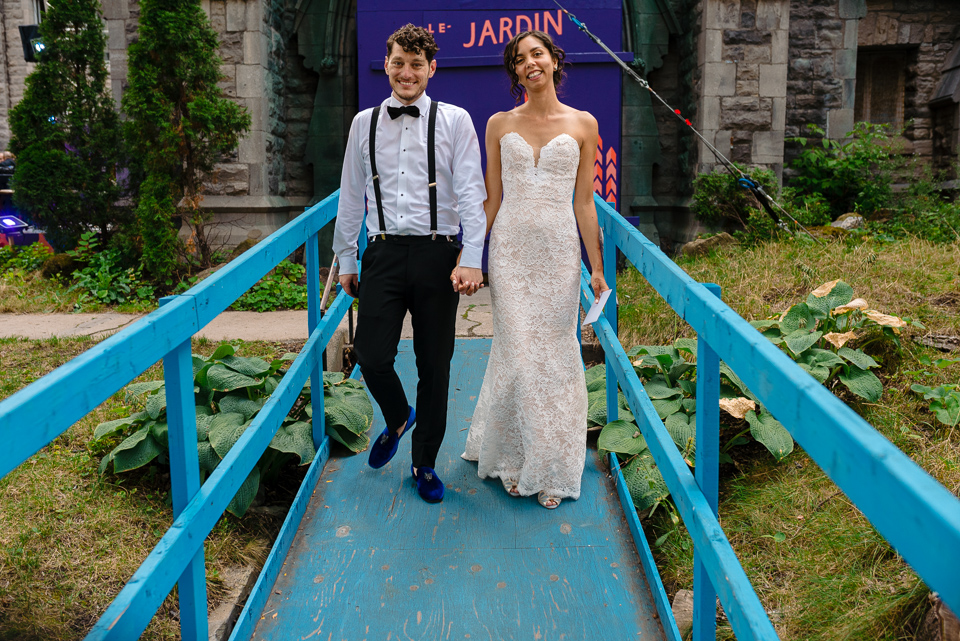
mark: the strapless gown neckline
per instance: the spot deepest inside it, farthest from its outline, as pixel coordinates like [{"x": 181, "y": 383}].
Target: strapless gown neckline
[{"x": 535, "y": 155}]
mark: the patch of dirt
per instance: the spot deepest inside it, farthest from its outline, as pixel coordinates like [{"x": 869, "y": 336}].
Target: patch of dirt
[
  {"x": 949, "y": 300},
  {"x": 786, "y": 295}
]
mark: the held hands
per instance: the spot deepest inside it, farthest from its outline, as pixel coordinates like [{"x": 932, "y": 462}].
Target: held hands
[
  {"x": 598, "y": 284},
  {"x": 466, "y": 280}
]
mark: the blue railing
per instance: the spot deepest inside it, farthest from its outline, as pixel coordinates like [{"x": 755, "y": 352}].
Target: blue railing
[
  {"x": 56, "y": 401},
  {"x": 918, "y": 516}
]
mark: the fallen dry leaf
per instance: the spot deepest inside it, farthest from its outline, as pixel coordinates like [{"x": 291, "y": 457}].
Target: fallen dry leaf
[
  {"x": 737, "y": 407},
  {"x": 856, "y": 303},
  {"x": 824, "y": 289},
  {"x": 839, "y": 340},
  {"x": 884, "y": 319}
]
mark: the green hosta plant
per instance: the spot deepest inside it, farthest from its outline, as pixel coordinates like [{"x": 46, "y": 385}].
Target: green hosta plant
[
  {"x": 669, "y": 381},
  {"x": 229, "y": 391},
  {"x": 817, "y": 334},
  {"x": 597, "y": 399}
]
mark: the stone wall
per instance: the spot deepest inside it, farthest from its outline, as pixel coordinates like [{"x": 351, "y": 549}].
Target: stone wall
[
  {"x": 743, "y": 55},
  {"x": 250, "y": 194},
  {"x": 821, "y": 84},
  {"x": 926, "y": 30}
]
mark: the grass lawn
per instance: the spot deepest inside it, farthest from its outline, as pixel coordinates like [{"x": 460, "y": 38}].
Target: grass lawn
[{"x": 832, "y": 576}]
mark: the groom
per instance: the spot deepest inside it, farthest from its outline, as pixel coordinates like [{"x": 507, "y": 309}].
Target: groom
[{"x": 417, "y": 162}]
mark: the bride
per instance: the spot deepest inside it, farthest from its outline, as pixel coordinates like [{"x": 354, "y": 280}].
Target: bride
[{"x": 529, "y": 428}]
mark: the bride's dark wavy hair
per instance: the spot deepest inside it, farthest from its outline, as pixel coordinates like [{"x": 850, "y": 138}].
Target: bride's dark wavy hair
[{"x": 510, "y": 55}]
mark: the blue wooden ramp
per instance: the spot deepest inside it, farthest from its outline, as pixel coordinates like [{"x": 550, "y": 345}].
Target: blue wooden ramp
[{"x": 373, "y": 561}]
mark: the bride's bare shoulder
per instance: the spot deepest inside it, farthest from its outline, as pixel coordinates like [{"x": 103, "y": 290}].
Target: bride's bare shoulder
[
  {"x": 502, "y": 123},
  {"x": 584, "y": 119}
]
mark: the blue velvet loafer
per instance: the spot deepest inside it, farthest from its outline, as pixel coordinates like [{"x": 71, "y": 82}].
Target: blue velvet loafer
[
  {"x": 383, "y": 449},
  {"x": 429, "y": 485}
]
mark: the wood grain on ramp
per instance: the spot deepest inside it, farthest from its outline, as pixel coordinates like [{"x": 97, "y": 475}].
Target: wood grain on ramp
[{"x": 373, "y": 561}]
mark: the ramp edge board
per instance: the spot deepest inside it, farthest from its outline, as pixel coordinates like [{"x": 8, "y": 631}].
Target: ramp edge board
[{"x": 253, "y": 608}]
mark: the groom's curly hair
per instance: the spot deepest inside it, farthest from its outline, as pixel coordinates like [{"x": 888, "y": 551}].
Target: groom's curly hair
[
  {"x": 510, "y": 60},
  {"x": 413, "y": 39}
]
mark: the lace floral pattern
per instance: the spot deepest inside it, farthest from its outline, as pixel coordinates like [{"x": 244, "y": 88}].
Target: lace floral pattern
[{"x": 531, "y": 417}]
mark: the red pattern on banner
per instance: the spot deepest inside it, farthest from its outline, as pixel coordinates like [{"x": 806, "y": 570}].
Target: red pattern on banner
[{"x": 605, "y": 173}]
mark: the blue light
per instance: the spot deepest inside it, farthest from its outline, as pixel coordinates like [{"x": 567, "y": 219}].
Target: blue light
[{"x": 11, "y": 223}]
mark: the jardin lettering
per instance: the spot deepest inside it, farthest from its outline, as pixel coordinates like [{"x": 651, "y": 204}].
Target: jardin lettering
[{"x": 521, "y": 23}]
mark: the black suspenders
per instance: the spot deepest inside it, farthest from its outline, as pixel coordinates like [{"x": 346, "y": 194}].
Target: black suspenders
[
  {"x": 431, "y": 167},
  {"x": 432, "y": 164}
]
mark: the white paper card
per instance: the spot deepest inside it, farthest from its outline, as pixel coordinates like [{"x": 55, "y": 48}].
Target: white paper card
[{"x": 594, "y": 314}]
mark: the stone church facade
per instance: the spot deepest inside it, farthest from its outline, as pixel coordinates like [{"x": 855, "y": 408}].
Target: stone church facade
[{"x": 749, "y": 74}]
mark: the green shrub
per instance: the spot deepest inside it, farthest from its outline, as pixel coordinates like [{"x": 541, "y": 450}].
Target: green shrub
[
  {"x": 103, "y": 276},
  {"x": 854, "y": 174},
  {"x": 26, "y": 259},
  {"x": 719, "y": 201},
  {"x": 180, "y": 123},
  {"x": 817, "y": 334},
  {"x": 66, "y": 132}
]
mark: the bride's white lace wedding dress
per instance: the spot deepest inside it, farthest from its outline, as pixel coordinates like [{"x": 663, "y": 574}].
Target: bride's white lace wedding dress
[{"x": 531, "y": 417}]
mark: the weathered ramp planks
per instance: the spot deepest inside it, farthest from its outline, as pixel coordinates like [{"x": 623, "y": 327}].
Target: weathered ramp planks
[{"x": 373, "y": 561}]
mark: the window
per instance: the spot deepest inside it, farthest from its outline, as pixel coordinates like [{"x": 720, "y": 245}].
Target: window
[
  {"x": 879, "y": 97},
  {"x": 39, "y": 6}
]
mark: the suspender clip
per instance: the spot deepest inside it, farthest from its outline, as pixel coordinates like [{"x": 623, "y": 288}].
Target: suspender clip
[
  {"x": 383, "y": 236},
  {"x": 434, "y": 236}
]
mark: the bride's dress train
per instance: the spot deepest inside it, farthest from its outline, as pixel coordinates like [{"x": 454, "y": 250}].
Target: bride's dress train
[{"x": 530, "y": 422}]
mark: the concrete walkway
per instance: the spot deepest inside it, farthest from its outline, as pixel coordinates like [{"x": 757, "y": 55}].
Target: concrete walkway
[{"x": 474, "y": 320}]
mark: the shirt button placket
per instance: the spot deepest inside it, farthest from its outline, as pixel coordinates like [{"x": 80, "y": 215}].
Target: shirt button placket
[{"x": 402, "y": 218}]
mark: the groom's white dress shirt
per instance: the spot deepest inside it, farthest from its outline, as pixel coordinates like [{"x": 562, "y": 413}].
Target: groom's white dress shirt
[{"x": 402, "y": 166}]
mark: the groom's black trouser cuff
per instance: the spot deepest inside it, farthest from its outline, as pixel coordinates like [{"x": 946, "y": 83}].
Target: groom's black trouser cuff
[{"x": 401, "y": 274}]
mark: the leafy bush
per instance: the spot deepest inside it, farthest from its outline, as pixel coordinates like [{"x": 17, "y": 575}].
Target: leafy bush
[
  {"x": 229, "y": 392},
  {"x": 718, "y": 200},
  {"x": 854, "y": 174},
  {"x": 277, "y": 290},
  {"x": 180, "y": 123},
  {"x": 810, "y": 210},
  {"x": 816, "y": 335},
  {"x": 670, "y": 383},
  {"x": 26, "y": 259},
  {"x": 103, "y": 277}
]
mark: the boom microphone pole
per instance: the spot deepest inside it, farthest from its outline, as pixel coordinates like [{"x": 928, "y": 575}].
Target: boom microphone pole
[{"x": 765, "y": 200}]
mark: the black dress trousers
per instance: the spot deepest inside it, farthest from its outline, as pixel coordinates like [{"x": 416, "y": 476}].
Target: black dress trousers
[{"x": 403, "y": 273}]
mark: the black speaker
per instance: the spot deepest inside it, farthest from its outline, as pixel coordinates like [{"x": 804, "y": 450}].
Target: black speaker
[{"x": 30, "y": 39}]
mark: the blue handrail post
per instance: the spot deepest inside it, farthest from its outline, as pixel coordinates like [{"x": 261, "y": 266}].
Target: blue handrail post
[
  {"x": 707, "y": 473},
  {"x": 314, "y": 313},
  {"x": 185, "y": 478},
  {"x": 610, "y": 312}
]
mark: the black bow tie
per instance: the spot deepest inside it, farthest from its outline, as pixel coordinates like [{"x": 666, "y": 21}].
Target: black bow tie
[{"x": 410, "y": 110}]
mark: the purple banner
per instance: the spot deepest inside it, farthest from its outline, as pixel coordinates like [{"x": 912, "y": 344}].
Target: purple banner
[{"x": 470, "y": 74}]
